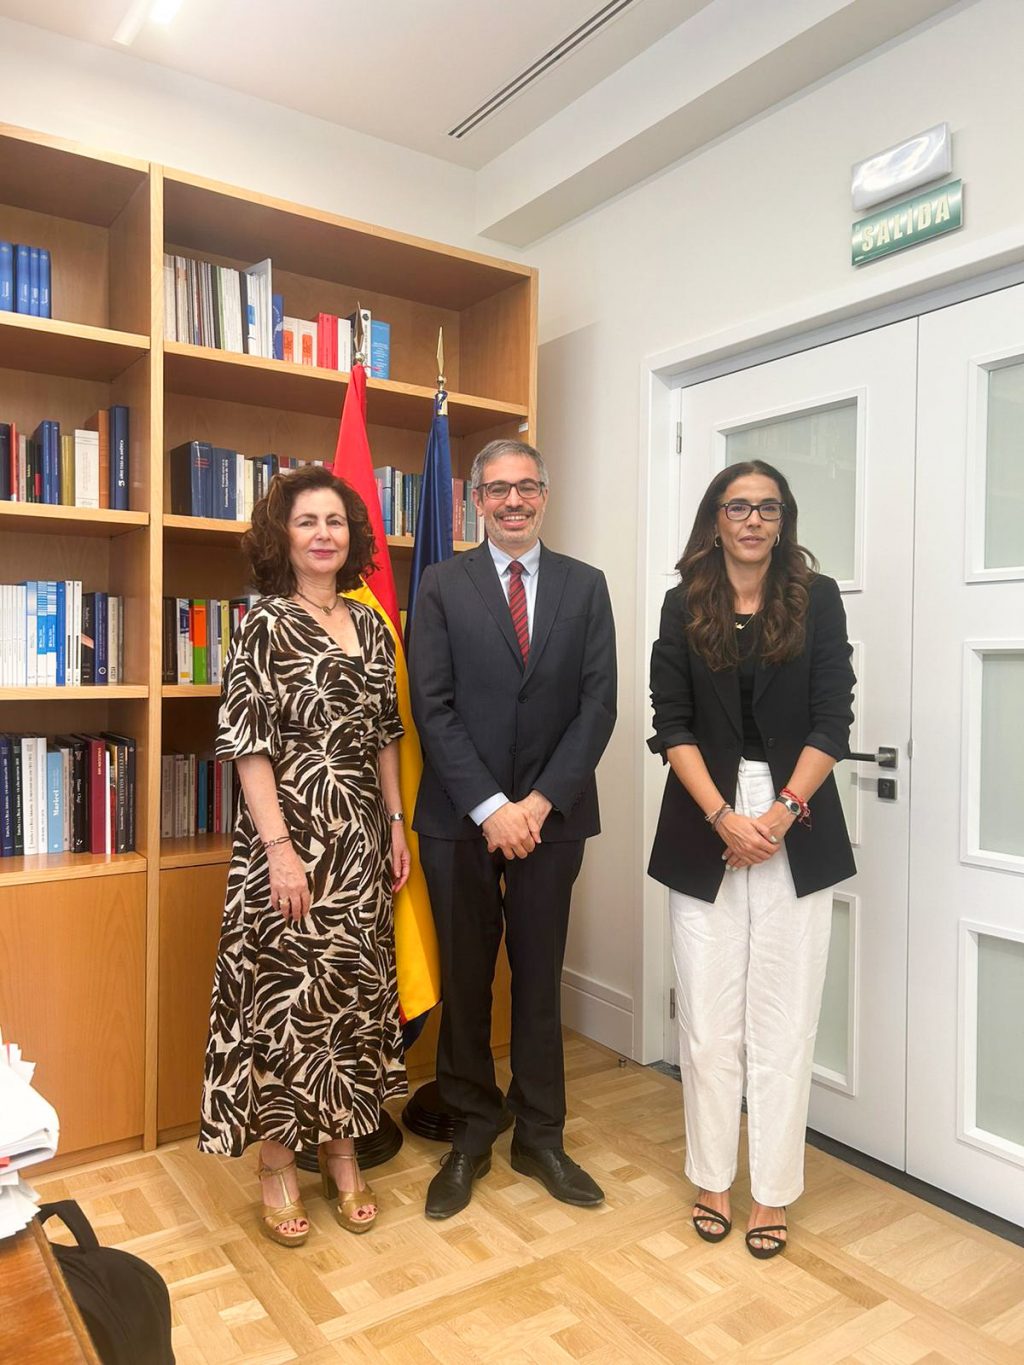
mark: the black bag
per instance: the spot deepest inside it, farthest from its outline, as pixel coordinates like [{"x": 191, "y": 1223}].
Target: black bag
[{"x": 123, "y": 1302}]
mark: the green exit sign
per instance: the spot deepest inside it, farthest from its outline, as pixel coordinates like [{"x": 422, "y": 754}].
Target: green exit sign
[{"x": 915, "y": 220}]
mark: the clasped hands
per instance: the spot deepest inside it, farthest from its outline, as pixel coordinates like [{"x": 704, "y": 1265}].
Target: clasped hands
[
  {"x": 515, "y": 827},
  {"x": 749, "y": 841}
]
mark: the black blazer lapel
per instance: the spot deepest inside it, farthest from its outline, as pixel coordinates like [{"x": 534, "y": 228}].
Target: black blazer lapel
[
  {"x": 726, "y": 682},
  {"x": 480, "y": 567},
  {"x": 763, "y": 675},
  {"x": 553, "y": 571}
]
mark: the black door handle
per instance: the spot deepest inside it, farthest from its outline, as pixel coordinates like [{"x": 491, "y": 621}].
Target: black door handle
[{"x": 886, "y": 757}]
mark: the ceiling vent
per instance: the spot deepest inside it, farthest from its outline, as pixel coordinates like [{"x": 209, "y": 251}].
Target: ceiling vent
[{"x": 544, "y": 63}]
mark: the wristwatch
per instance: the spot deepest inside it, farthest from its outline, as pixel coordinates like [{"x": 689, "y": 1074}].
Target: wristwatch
[
  {"x": 396, "y": 817},
  {"x": 792, "y": 806}
]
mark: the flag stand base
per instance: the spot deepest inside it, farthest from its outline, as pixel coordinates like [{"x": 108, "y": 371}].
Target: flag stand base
[
  {"x": 427, "y": 1117},
  {"x": 372, "y": 1149}
]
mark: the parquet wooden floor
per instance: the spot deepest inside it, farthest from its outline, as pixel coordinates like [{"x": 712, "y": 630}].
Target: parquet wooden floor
[{"x": 873, "y": 1276}]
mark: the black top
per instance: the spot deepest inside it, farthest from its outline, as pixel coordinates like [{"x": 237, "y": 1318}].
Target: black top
[
  {"x": 748, "y": 640},
  {"x": 807, "y": 701}
]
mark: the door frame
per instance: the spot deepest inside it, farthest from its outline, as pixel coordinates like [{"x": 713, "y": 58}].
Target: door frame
[{"x": 966, "y": 271}]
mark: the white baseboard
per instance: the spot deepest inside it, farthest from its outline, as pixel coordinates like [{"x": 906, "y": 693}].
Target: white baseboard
[{"x": 597, "y": 1011}]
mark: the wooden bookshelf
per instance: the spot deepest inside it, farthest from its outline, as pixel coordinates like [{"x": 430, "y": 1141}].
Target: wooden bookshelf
[{"x": 125, "y": 943}]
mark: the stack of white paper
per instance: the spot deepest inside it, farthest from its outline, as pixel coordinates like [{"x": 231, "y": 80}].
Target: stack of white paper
[{"x": 29, "y": 1131}]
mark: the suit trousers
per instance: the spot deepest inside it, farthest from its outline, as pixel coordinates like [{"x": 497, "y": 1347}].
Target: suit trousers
[
  {"x": 474, "y": 893},
  {"x": 750, "y": 969}
]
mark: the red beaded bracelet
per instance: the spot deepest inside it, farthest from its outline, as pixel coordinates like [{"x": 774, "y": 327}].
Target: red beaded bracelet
[{"x": 804, "y": 818}]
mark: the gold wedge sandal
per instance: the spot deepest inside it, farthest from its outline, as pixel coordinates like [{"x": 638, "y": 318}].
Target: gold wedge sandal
[
  {"x": 348, "y": 1201},
  {"x": 291, "y": 1209}
]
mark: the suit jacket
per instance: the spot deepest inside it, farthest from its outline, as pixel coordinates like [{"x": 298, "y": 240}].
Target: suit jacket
[
  {"x": 807, "y": 701},
  {"x": 489, "y": 724}
]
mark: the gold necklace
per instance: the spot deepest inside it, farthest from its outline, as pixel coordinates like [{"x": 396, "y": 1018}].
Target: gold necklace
[
  {"x": 747, "y": 622},
  {"x": 326, "y": 610}
]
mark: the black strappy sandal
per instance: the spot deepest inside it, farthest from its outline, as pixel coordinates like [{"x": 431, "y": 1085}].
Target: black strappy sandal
[
  {"x": 707, "y": 1215},
  {"x": 767, "y": 1234}
]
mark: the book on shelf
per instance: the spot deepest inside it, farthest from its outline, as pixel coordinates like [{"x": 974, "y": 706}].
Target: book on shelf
[
  {"x": 89, "y": 467},
  {"x": 49, "y": 635},
  {"x": 25, "y": 274},
  {"x": 212, "y": 481},
  {"x": 400, "y": 493},
  {"x": 218, "y": 306},
  {"x": 196, "y": 636},
  {"x": 380, "y": 349},
  {"x": 197, "y": 795}
]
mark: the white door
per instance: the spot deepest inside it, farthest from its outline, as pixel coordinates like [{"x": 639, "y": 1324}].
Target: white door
[
  {"x": 965, "y": 1119},
  {"x": 838, "y": 421}
]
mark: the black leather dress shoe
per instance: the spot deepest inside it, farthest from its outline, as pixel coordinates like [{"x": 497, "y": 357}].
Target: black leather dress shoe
[
  {"x": 558, "y": 1173},
  {"x": 452, "y": 1188}
]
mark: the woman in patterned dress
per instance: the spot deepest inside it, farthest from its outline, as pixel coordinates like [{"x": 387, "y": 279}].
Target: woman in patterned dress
[{"x": 305, "y": 1041}]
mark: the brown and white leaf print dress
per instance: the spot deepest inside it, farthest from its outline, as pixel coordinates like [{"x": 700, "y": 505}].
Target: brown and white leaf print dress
[{"x": 305, "y": 1040}]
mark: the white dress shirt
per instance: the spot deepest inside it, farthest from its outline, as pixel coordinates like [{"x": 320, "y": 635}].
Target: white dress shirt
[{"x": 531, "y": 572}]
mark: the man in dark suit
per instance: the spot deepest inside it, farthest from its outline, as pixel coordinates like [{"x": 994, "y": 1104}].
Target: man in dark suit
[{"x": 512, "y": 672}]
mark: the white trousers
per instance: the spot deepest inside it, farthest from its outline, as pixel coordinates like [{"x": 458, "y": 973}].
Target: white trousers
[{"x": 749, "y": 974}]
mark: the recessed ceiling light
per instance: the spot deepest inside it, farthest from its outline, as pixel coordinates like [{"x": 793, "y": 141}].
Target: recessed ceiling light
[{"x": 156, "y": 11}]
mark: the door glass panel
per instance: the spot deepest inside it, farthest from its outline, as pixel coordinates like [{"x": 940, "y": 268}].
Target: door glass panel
[
  {"x": 817, "y": 452},
  {"x": 1004, "y": 469},
  {"x": 832, "y": 1045},
  {"x": 1001, "y": 767},
  {"x": 1000, "y": 1081}
]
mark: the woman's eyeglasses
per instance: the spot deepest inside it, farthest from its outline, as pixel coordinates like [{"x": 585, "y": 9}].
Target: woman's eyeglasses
[{"x": 740, "y": 511}]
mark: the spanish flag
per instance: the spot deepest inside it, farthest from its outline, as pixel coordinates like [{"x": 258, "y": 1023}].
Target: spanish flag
[{"x": 419, "y": 970}]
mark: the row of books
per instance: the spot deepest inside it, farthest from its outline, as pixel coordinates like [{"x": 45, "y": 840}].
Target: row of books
[
  {"x": 215, "y": 305},
  {"x": 52, "y": 634},
  {"x": 197, "y": 634},
  {"x": 238, "y": 311},
  {"x": 211, "y": 481},
  {"x": 69, "y": 794},
  {"x": 399, "y": 495},
  {"x": 87, "y": 468},
  {"x": 197, "y": 796},
  {"x": 24, "y": 279}
]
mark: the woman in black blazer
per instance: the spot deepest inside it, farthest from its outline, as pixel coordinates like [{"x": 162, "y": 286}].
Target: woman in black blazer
[{"x": 752, "y": 690}]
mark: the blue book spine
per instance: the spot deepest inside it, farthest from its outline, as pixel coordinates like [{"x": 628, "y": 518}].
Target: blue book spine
[
  {"x": 33, "y": 281},
  {"x": 6, "y": 799},
  {"x": 22, "y": 281},
  {"x": 40, "y": 632},
  {"x": 203, "y": 471},
  {"x": 380, "y": 349},
  {"x": 277, "y": 307},
  {"x": 62, "y": 607},
  {"x": 118, "y": 457},
  {"x": 44, "y": 283},
  {"x": 44, "y": 605},
  {"x": 54, "y": 801},
  {"x": 6, "y": 277},
  {"x": 100, "y": 640},
  {"x": 223, "y": 484}
]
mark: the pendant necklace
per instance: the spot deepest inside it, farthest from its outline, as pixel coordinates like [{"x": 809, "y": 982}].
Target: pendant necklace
[
  {"x": 747, "y": 622},
  {"x": 326, "y": 610}
]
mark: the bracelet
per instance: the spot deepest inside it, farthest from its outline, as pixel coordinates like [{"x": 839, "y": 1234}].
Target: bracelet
[
  {"x": 796, "y": 806},
  {"x": 720, "y": 814},
  {"x": 396, "y": 817},
  {"x": 281, "y": 839}
]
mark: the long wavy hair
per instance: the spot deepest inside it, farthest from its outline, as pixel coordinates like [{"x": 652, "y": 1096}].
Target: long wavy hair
[
  {"x": 266, "y": 544},
  {"x": 710, "y": 603}
]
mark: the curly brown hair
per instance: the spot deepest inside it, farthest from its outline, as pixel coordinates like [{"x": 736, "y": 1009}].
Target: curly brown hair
[
  {"x": 266, "y": 545},
  {"x": 710, "y": 604}
]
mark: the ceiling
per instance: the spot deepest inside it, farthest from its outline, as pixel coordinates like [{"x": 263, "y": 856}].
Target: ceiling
[{"x": 403, "y": 70}]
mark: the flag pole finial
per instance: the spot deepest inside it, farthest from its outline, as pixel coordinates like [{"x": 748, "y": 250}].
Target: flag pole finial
[
  {"x": 441, "y": 380},
  {"x": 359, "y": 337}
]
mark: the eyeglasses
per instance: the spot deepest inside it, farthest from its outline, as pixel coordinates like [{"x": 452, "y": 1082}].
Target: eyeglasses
[
  {"x": 499, "y": 489},
  {"x": 740, "y": 511}
]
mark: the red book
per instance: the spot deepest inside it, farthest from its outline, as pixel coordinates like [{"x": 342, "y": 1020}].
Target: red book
[{"x": 323, "y": 340}]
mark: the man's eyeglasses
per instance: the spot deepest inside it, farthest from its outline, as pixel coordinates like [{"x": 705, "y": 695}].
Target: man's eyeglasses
[
  {"x": 740, "y": 511},
  {"x": 499, "y": 489}
]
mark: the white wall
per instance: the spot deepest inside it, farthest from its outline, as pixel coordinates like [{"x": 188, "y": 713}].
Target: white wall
[
  {"x": 114, "y": 102},
  {"x": 758, "y": 223}
]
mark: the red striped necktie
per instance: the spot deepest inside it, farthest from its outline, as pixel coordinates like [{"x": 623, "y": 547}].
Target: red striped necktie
[{"x": 517, "y": 606}]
